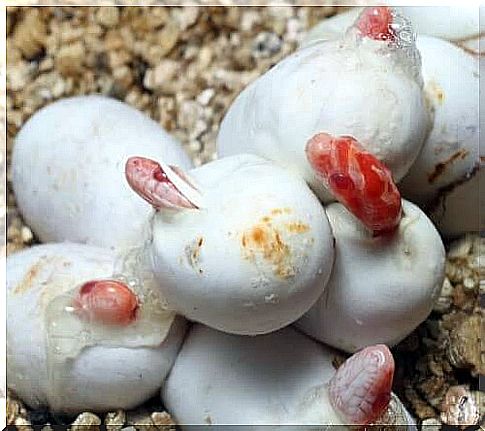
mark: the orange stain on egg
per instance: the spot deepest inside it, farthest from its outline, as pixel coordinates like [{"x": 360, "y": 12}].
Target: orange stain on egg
[
  {"x": 441, "y": 167},
  {"x": 297, "y": 227},
  {"x": 31, "y": 277},
  {"x": 265, "y": 240}
]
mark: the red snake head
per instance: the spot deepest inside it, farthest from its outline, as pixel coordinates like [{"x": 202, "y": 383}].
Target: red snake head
[{"x": 357, "y": 179}]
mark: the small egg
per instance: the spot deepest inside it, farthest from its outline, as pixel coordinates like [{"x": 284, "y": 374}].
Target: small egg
[
  {"x": 58, "y": 358},
  {"x": 381, "y": 288},
  {"x": 68, "y": 171},
  {"x": 279, "y": 380}
]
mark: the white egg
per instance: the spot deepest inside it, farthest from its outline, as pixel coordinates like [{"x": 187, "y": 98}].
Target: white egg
[
  {"x": 333, "y": 27},
  {"x": 450, "y": 152},
  {"x": 68, "y": 171},
  {"x": 253, "y": 258},
  {"x": 381, "y": 288},
  {"x": 350, "y": 86},
  {"x": 60, "y": 361},
  {"x": 453, "y": 23},
  {"x": 282, "y": 378}
]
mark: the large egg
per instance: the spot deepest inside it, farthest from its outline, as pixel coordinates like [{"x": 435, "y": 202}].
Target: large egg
[
  {"x": 68, "y": 171},
  {"x": 252, "y": 257},
  {"x": 356, "y": 86}
]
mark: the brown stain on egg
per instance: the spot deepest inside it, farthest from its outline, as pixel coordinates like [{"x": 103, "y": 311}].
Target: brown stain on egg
[
  {"x": 192, "y": 253},
  {"x": 29, "y": 279},
  {"x": 265, "y": 240},
  {"x": 436, "y": 92},
  {"x": 258, "y": 235},
  {"x": 440, "y": 167}
]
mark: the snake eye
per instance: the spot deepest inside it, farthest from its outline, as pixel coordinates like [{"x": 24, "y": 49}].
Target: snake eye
[{"x": 341, "y": 182}]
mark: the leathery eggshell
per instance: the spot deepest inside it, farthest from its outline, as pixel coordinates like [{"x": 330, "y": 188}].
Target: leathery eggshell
[
  {"x": 70, "y": 365},
  {"x": 381, "y": 288},
  {"x": 266, "y": 382},
  {"x": 462, "y": 208},
  {"x": 353, "y": 86},
  {"x": 68, "y": 171},
  {"x": 450, "y": 152},
  {"x": 256, "y": 254},
  {"x": 453, "y": 23}
]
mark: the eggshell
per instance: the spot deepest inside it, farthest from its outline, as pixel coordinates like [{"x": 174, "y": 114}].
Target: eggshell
[
  {"x": 100, "y": 377},
  {"x": 380, "y": 288},
  {"x": 256, "y": 255},
  {"x": 446, "y": 22},
  {"x": 462, "y": 208},
  {"x": 333, "y": 27},
  {"x": 369, "y": 92},
  {"x": 68, "y": 171},
  {"x": 450, "y": 152},
  {"x": 261, "y": 382}
]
